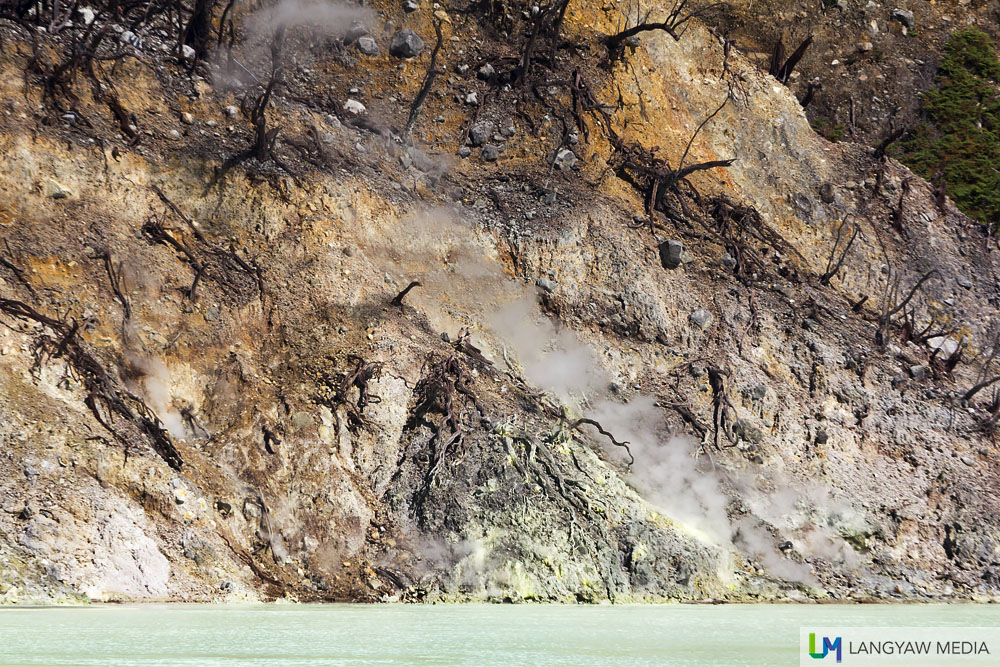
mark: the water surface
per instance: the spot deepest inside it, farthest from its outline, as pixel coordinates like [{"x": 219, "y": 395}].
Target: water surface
[{"x": 441, "y": 634}]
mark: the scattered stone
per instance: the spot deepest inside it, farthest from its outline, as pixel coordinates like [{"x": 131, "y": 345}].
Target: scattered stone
[
  {"x": 367, "y": 46},
  {"x": 546, "y": 284},
  {"x": 231, "y": 111},
  {"x": 745, "y": 430},
  {"x": 56, "y": 191},
  {"x": 212, "y": 314},
  {"x": 405, "y": 44},
  {"x": 670, "y": 253},
  {"x": 965, "y": 282},
  {"x": 486, "y": 72},
  {"x": 187, "y": 118},
  {"x": 464, "y": 151},
  {"x": 826, "y": 193},
  {"x": 130, "y": 38},
  {"x": 187, "y": 52},
  {"x": 697, "y": 370},
  {"x": 945, "y": 346},
  {"x": 821, "y": 437},
  {"x": 472, "y": 99},
  {"x": 509, "y": 131},
  {"x": 728, "y": 261},
  {"x": 480, "y": 133},
  {"x": 968, "y": 461},
  {"x": 701, "y": 318},
  {"x": 354, "y": 107},
  {"x": 918, "y": 371},
  {"x": 445, "y": 337},
  {"x": 490, "y": 153},
  {"x": 355, "y": 32},
  {"x": 301, "y": 420},
  {"x": 410, "y": 6},
  {"x": 905, "y": 17},
  {"x": 405, "y": 160},
  {"x": 565, "y": 159}
]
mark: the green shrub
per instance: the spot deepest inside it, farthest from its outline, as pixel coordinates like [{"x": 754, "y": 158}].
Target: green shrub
[{"x": 960, "y": 133}]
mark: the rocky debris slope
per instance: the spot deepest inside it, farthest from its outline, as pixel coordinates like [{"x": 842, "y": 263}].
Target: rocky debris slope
[{"x": 609, "y": 384}]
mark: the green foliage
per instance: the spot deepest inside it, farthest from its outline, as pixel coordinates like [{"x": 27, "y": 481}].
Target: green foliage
[
  {"x": 960, "y": 136},
  {"x": 825, "y": 128}
]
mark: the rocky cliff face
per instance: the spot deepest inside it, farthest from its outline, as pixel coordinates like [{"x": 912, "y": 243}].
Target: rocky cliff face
[{"x": 611, "y": 383}]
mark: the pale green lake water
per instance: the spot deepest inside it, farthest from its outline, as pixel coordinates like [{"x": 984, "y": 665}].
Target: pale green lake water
[{"x": 441, "y": 634}]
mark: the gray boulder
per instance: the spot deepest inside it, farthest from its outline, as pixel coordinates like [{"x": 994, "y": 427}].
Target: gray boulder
[
  {"x": 367, "y": 46},
  {"x": 405, "y": 44},
  {"x": 670, "y": 253},
  {"x": 905, "y": 17}
]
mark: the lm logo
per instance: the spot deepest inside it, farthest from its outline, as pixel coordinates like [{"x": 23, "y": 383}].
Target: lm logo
[{"x": 828, "y": 646}]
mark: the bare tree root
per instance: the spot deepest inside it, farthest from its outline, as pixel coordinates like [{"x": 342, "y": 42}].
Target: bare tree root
[
  {"x": 119, "y": 411},
  {"x": 337, "y": 393},
  {"x": 239, "y": 277}
]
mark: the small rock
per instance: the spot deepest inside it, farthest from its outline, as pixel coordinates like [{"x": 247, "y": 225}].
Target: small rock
[
  {"x": 405, "y": 160},
  {"x": 905, "y": 17},
  {"x": 728, "y": 261},
  {"x": 355, "y": 32},
  {"x": 231, "y": 111},
  {"x": 946, "y": 346},
  {"x": 490, "y": 153},
  {"x": 480, "y": 133},
  {"x": 56, "y": 191},
  {"x": 701, "y": 318},
  {"x": 187, "y": 52},
  {"x": 464, "y": 151},
  {"x": 410, "y": 6},
  {"x": 670, "y": 253},
  {"x": 212, "y": 314},
  {"x": 486, "y": 72},
  {"x": 964, "y": 282},
  {"x": 821, "y": 437},
  {"x": 546, "y": 284},
  {"x": 354, "y": 107},
  {"x": 301, "y": 420},
  {"x": 826, "y": 193},
  {"x": 565, "y": 159},
  {"x": 968, "y": 461},
  {"x": 187, "y": 118},
  {"x": 367, "y": 46},
  {"x": 130, "y": 38},
  {"x": 405, "y": 44},
  {"x": 472, "y": 99},
  {"x": 918, "y": 371}
]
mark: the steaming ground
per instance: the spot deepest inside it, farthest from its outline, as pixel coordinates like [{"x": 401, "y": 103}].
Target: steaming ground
[{"x": 466, "y": 289}]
